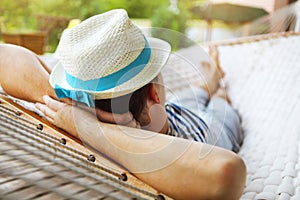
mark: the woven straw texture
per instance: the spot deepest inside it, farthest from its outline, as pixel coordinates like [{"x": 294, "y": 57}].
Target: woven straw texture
[
  {"x": 263, "y": 79},
  {"x": 111, "y": 35},
  {"x": 105, "y": 44},
  {"x": 160, "y": 51}
]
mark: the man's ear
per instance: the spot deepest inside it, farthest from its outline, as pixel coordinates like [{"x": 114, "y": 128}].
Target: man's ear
[{"x": 153, "y": 94}]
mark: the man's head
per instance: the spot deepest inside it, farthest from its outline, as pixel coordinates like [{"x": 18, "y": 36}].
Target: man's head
[
  {"x": 146, "y": 105},
  {"x": 108, "y": 59}
]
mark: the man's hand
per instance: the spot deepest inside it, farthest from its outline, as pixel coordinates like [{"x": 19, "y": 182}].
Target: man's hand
[
  {"x": 125, "y": 119},
  {"x": 60, "y": 114}
]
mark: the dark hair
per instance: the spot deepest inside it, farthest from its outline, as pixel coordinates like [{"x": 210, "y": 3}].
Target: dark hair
[{"x": 133, "y": 102}]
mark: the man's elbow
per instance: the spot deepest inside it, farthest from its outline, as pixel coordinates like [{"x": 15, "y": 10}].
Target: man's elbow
[{"x": 231, "y": 178}]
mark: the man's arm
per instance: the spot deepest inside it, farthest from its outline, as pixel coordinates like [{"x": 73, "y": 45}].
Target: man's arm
[
  {"x": 179, "y": 168},
  {"x": 23, "y": 75}
]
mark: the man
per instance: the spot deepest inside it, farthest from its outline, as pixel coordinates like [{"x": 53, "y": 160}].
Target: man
[{"x": 107, "y": 62}]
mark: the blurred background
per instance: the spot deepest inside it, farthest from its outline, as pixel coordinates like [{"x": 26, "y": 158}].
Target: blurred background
[{"x": 38, "y": 24}]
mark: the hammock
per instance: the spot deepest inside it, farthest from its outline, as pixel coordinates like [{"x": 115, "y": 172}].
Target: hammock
[
  {"x": 38, "y": 161},
  {"x": 263, "y": 78}
]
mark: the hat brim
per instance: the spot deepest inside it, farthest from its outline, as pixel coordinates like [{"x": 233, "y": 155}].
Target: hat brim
[{"x": 160, "y": 52}]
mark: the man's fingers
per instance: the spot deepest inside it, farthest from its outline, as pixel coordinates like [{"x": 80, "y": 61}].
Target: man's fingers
[
  {"x": 133, "y": 123},
  {"x": 50, "y": 120},
  {"x": 45, "y": 110},
  {"x": 67, "y": 101},
  {"x": 125, "y": 119},
  {"x": 108, "y": 117},
  {"x": 53, "y": 104}
]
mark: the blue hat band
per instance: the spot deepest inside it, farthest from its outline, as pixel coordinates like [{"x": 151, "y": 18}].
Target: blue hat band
[{"x": 104, "y": 83}]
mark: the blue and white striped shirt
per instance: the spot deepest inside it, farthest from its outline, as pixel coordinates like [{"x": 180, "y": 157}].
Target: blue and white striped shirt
[{"x": 185, "y": 124}]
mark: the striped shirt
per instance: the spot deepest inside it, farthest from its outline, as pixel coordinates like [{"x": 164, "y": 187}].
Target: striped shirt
[{"x": 185, "y": 124}]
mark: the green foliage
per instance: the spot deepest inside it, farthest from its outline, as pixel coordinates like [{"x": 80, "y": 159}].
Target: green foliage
[
  {"x": 170, "y": 26},
  {"x": 80, "y": 9},
  {"x": 16, "y": 15},
  {"x": 135, "y": 8},
  {"x": 144, "y": 9},
  {"x": 52, "y": 15}
]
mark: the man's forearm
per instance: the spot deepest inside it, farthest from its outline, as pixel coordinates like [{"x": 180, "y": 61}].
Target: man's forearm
[{"x": 179, "y": 168}]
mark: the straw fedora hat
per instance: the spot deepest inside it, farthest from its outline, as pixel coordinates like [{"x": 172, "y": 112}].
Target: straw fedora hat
[{"x": 106, "y": 56}]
